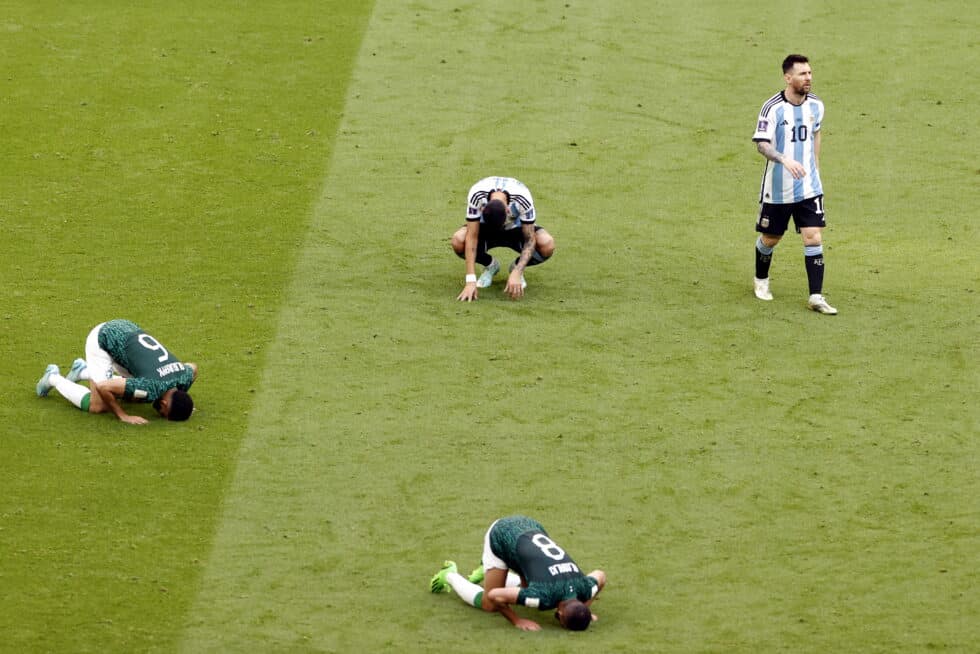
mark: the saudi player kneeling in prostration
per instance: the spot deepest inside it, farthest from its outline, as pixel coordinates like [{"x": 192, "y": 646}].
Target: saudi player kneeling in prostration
[
  {"x": 124, "y": 362},
  {"x": 522, "y": 565}
]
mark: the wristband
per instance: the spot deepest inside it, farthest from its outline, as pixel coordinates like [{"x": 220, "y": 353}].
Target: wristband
[{"x": 471, "y": 279}]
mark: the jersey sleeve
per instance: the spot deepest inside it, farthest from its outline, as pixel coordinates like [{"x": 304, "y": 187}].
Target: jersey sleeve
[
  {"x": 143, "y": 389},
  {"x": 818, "y": 116},
  {"x": 521, "y": 209},
  {"x": 521, "y": 203},
  {"x": 140, "y": 389},
  {"x": 765, "y": 127},
  {"x": 476, "y": 199},
  {"x": 531, "y": 600},
  {"x": 589, "y": 589}
]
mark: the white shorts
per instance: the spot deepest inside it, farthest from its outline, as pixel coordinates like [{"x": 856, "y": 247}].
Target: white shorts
[
  {"x": 490, "y": 560},
  {"x": 100, "y": 365}
]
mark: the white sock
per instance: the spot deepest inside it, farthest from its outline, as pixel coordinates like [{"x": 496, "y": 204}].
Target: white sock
[
  {"x": 513, "y": 579},
  {"x": 463, "y": 587},
  {"x": 74, "y": 393}
]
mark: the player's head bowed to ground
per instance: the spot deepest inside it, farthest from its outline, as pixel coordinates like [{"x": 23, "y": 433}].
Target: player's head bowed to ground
[{"x": 123, "y": 362}]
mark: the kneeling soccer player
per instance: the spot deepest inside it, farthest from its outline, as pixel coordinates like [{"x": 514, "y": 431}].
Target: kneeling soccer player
[
  {"x": 123, "y": 362},
  {"x": 523, "y": 565}
]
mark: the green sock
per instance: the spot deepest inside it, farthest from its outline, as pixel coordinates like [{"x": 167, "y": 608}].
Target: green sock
[{"x": 77, "y": 394}]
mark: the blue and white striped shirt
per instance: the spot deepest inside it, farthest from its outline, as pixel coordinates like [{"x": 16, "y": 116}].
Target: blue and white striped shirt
[{"x": 791, "y": 129}]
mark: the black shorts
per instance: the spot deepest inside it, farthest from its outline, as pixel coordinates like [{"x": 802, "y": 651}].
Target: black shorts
[
  {"x": 502, "y": 238},
  {"x": 774, "y": 218}
]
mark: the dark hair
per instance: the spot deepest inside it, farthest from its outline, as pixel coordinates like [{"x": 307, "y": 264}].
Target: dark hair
[
  {"x": 792, "y": 60},
  {"x": 181, "y": 406},
  {"x": 576, "y": 616},
  {"x": 495, "y": 213}
]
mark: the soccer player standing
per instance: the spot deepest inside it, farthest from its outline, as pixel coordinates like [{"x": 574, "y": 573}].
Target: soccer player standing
[{"x": 787, "y": 134}]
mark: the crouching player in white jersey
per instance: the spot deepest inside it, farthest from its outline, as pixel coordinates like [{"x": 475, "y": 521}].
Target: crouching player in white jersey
[
  {"x": 788, "y": 136},
  {"x": 522, "y": 565},
  {"x": 500, "y": 213}
]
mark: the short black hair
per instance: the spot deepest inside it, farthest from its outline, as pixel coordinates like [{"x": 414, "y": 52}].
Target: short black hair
[
  {"x": 495, "y": 213},
  {"x": 181, "y": 406},
  {"x": 792, "y": 60},
  {"x": 576, "y": 616}
]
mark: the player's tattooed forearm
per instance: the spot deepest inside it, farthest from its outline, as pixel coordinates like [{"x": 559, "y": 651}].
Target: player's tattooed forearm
[
  {"x": 527, "y": 252},
  {"x": 768, "y": 151}
]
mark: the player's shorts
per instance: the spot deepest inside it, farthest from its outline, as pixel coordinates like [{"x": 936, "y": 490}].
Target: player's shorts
[
  {"x": 490, "y": 560},
  {"x": 502, "y": 238},
  {"x": 100, "y": 364},
  {"x": 774, "y": 218},
  {"x": 502, "y": 540}
]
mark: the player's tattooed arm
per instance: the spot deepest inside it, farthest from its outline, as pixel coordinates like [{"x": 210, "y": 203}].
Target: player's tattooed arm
[
  {"x": 794, "y": 167},
  {"x": 766, "y": 149},
  {"x": 528, "y": 250}
]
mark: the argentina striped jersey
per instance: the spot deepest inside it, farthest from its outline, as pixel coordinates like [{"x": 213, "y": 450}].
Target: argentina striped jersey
[
  {"x": 792, "y": 130},
  {"x": 520, "y": 205}
]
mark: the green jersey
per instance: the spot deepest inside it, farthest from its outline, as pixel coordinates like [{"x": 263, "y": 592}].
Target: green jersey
[
  {"x": 153, "y": 369},
  {"x": 551, "y": 575}
]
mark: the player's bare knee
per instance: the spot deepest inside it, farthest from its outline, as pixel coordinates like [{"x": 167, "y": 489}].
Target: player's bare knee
[
  {"x": 458, "y": 241},
  {"x": 812, "y": 235},
  {"x": 545, "y": 245}
]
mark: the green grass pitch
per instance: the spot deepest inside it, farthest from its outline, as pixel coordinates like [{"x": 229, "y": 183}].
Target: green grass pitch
[{"x": 270, "y": 187}]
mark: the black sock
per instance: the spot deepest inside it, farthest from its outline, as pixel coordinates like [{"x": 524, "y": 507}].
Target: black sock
[
  {"x": 814, "y": 272},
  {"x": 762, "y": 263}
]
